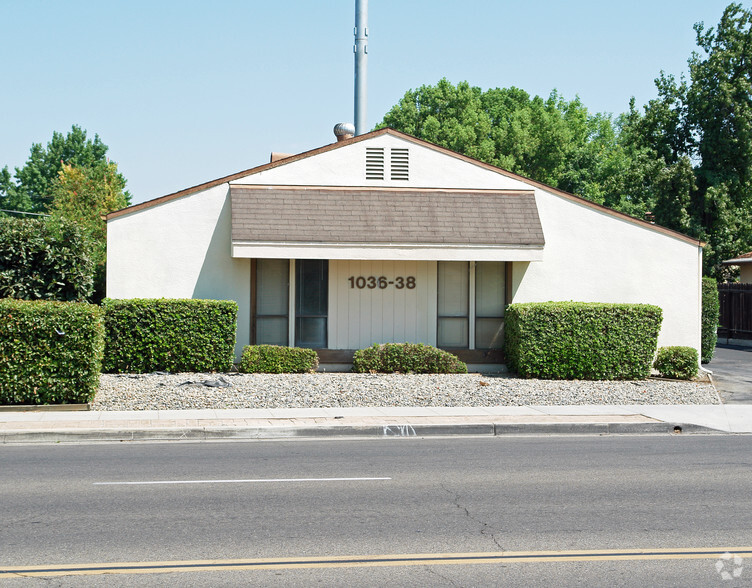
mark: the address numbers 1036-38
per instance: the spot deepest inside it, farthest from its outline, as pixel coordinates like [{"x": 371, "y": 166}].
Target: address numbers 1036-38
[{"x": 381, "y": 282}]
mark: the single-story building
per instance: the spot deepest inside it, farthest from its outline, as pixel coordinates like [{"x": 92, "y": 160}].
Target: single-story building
[
  {"x": 744, "y": 262},
  {"x": 387, "y": 238}
]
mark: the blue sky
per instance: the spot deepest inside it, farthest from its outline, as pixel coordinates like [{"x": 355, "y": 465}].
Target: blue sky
[{"x": 185, "y": 92}]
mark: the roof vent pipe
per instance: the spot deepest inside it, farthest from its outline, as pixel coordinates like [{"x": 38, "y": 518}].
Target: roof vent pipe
[
  {"x": 361, "y": 64},
  {"x": 344, "y": 131}
]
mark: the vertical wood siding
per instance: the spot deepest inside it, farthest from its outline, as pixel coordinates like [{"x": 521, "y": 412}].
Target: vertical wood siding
[{"x": 359, "y": 317}]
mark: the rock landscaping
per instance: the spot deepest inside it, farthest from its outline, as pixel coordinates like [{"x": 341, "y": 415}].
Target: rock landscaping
[{"x": 163, "y": 391}]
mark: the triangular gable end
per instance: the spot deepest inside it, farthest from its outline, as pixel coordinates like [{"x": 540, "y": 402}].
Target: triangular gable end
[
  {"x": 429, "y": 166},
  {"x": 385, "y": 160}
]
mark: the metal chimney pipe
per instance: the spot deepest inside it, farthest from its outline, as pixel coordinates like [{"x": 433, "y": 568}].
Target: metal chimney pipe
[{"x": 361, "y": 64}]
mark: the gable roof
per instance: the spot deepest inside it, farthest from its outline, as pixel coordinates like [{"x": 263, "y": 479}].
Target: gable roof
[
  {"x": 346, "y": 142},
  {"x": 284, "y": 214}
]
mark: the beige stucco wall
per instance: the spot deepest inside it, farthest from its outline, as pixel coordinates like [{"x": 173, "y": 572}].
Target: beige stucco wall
[
  {"x": 592, "y": 256},
  {"x": 745, "y": 273},
  {"x": 180, "y": 249},
  {"x": 346, "y": 167}
]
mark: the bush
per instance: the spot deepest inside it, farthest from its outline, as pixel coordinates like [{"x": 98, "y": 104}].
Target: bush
[
  {"x": 50, "y": 352},
  {"x": 580, "y": 340},
  {"x": 406, "y": 358},
  {"x": 710, "y": 309},
  {"x": 273, "y": 359},
  {"x": 677, "y": 362},
  {"x": 44, "y": 259},
  {"x": 145, "y": 335}
]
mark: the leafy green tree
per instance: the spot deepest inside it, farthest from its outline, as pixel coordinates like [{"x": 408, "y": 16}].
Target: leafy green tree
[
  {"x": 697, "y": 136},
  {"x": 502, "y": 126},
  {"x": 658, "y": 179},
  {"x": 84, "y": 195},
  {"x": 10, "y": 197},
  {"x": 32, "y": 189},
  {"x": 447, "y": 115},
  {"x": 719, "y": 115}
]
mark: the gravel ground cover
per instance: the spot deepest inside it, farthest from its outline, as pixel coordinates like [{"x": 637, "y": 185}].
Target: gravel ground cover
[{"x": 161, "y": 391}]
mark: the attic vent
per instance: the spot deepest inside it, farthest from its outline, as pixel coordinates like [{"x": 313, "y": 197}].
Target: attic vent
[
  {"x": 374, "y": 163},
  {"x": 400, "y": 164}
]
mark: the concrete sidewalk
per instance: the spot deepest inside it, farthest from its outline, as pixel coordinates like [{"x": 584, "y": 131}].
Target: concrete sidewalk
[{"x": 66, "y": 426}]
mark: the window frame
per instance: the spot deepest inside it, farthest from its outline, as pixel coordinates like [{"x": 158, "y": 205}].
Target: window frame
[{"x": 472, "y": 302}]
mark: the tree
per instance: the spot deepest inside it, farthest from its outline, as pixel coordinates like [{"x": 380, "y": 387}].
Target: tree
[
  {"x": 447, "y": 115},
  {"x": 502, "y": 126},
  {"x": 84, "y": 195},
  {"x": 554, "y": 141},
  {"x": 658, "y": 179},
  {"x": 698, "y": 134},
  {"x": 719, "y": 115},
  {"x": 32, "y": 189},
  {"x": 10, "y": 197}
]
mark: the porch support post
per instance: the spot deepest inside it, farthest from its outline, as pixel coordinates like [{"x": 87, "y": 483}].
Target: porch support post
[{"x": 291, "y": 307}]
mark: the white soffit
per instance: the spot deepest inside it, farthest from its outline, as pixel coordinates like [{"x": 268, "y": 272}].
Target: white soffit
[{"x": 390, "y": 252}]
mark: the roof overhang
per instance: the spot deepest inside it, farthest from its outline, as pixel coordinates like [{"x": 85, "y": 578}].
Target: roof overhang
[
  {"x": 737, "y": 262},
  {"x": 741, "y": 260},
  {"x": 386, "y": 251}
]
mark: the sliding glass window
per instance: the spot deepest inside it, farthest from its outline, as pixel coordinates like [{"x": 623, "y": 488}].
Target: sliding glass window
[
  {"x": 471, "y": 301},
  {"x": 453, "y": 304},
  {"x": 311, "y": 302},
  {"x": 489, "y": 304},
  {"x": 272, "y": 289}
]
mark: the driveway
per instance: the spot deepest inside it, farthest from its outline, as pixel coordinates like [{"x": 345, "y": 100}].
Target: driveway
[{"x": 732, "y": 373}]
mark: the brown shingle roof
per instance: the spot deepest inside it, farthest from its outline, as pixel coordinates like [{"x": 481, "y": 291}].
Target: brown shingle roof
[{"x": 282, "y": 214}]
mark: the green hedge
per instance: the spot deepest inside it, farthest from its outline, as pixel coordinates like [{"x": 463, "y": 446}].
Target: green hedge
[
  {"x": 406, "y": 358},
  {"x": 677, "y": 362},
  {"x": 50, "y": 352},
  {"x": 273, "y": 359},
  {"x": 580, "y": 340},
  {"x": 44, "y": 259},
  {"x": 710, "y": 310},
  {"x": 145, "y": 335}
]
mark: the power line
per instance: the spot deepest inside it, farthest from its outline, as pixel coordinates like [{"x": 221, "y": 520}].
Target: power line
[{"x": 22, "y": 212}]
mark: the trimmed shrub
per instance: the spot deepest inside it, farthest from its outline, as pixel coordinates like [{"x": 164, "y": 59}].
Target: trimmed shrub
[
  {"x": 581, "y": 340},
  {"x": 145, "y": 335},
  {"x": 44, "y": 259},
  {"x": 677, "y": 362},
  {"x": 50, "y": 352},
  {"x": 710, "y": 310},
  {"x": 406, "y": 358},
  {"x": 273, "y": 359}
]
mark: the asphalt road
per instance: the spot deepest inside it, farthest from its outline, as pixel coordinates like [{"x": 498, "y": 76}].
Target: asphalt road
[
  {"x": 77, "y": 504},
  {"x": 732, "y": 373}
]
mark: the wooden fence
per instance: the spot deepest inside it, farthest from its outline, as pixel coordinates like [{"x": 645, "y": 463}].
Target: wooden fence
[{"x": 735, "y": 318}]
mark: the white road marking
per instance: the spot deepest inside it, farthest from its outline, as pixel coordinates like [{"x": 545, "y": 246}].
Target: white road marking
[{"x": 237, "y": 481}]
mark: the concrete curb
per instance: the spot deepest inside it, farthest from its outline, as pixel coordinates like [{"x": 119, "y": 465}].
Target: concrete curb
[
  {"x": 656, "y": 428},
  {"x": 44, "y": 407},
  {"x": 349, "y": 431}
]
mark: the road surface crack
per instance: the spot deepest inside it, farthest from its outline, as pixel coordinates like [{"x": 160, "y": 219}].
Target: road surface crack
[
  {"x": 485, "y": 529},
  {"x": 443, "y": 577}
]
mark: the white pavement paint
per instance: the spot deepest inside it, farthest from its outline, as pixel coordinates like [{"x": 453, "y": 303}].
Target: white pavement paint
[{"x": 154, "y": 482}]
